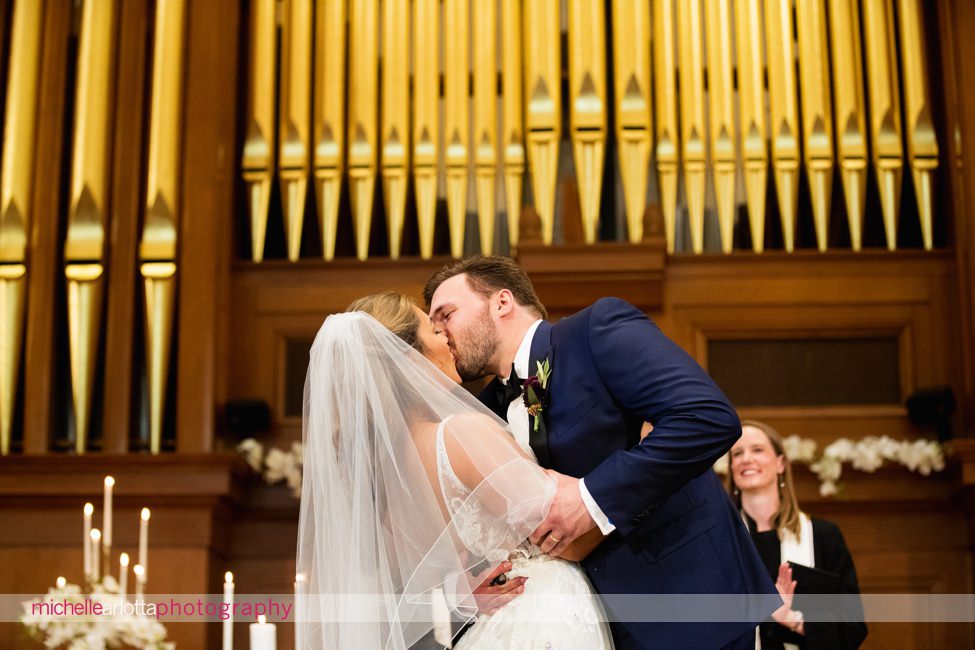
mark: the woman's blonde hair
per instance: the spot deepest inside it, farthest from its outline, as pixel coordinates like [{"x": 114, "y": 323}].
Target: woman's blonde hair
[
  {"x": 787, "y": 515},
  {"x": 395, "y": 312}
]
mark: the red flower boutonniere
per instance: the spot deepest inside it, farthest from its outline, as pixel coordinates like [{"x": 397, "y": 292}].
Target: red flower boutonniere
[{"x": 536, "y": 390}]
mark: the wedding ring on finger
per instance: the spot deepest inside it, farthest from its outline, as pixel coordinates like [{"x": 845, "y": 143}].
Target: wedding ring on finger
[
  {"x": 500, "y": 580},
  {"x": 554, "y": 538}
]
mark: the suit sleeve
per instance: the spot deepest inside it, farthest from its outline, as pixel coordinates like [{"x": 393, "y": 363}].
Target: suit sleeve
[{"x": 650, "y": 375}]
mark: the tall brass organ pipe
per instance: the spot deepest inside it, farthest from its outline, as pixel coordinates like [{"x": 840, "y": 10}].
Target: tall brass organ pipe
[
  {"x": 16, "y": 185},
  {"x": 84, "y": 246},
  {"x": 157, "y": 251}
]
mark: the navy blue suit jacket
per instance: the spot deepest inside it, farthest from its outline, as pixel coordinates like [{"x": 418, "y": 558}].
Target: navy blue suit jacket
[{"x": 677, "y": 531}]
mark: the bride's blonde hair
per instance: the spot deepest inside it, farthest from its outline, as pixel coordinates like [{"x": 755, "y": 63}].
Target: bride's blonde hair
[{"x": 395, "y": 312}]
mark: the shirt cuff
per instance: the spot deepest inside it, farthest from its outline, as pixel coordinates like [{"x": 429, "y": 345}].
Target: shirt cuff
[{"x": 605, "y": 526}]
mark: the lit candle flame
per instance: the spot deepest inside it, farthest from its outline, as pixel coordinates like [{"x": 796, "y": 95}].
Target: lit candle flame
[
  {"x": 145, "y": 514},
  {"x": 89, "y": 509},
  {"x": 228, "y": 577},
  {"x": 123, "y": 559}
]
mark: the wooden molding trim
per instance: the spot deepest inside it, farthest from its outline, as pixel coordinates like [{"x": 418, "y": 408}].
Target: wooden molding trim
[{"x": 162, "y": 478}]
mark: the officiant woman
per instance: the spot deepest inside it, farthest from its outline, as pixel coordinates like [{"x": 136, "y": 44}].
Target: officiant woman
[{"x": 760, "y": 482}]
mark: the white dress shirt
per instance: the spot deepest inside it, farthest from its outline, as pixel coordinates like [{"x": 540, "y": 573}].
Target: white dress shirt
[{"x": 519, "y": 421}]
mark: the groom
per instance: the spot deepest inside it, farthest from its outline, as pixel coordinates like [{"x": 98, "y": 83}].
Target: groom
[{"x": 594, "y": 379}]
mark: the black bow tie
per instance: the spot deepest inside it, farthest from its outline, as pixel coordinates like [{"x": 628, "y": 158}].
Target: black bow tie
[{"x": 511, "y": 391}]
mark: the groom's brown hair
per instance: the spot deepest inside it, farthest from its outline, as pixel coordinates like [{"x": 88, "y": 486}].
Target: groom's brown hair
[{"x": 487, "y": 274}]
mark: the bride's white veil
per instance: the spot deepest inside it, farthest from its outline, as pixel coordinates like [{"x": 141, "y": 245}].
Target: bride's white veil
[{"x": 379, "y": 531}]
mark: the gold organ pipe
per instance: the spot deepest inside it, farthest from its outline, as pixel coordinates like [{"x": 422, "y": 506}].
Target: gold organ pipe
[
  {"x": 631, "y": 56},
  {"x": 456, "y": 122},
  {"x": 543, "y": 108},
  {"x": 258, "y": 156},
  {"x": 922, "y": 142},
  {"x": 587, "y": 105},
  {"x": 665, "y": 110},
  {"x": 784, "y": 112},
  {"x": 885, "y": 110},
  {"x": 396, "y": 117},
  {"x": 817, "y": 113},
  {"x": 751, "y": 96},
  {"x": 16, "y": 185},
  {"x": 157, "y": 250},
  {"x": 724, "y": 151},
  {"x": 159, "y": 282},
  {"x": 13, "y": 289},
  {"x": 486, "y": 116},
  {"x": 84, "y": 249},
  {"x": 294, "y": 148},
  {"x": 426, "y": 129},
  {"x": 362, "y": 138},
  {"x": 330, "y": 50},
  {"x": 850, "y": 112},
  {"x": 693, "y": 127},
  {"x": 85, "y": 294},
  {"x": 513, "y": 136}
]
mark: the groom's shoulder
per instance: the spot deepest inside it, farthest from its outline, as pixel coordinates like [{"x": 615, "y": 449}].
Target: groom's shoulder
[
  {"x": 606, "y": 308},
  {"x": 605, "y": 312}
]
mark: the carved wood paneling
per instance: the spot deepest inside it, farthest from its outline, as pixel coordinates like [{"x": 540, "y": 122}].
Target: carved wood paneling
[
  {"x": 206, "y": 239},
  {"x": 907, "y": 295},
  {"x": 126, "y": 204}
]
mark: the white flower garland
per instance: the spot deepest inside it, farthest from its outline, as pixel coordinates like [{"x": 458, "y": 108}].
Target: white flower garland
[
  {"x": 276, "y": 465},
  {"x": 866, "y": 455},
  {"x": 96, "y": 632}
]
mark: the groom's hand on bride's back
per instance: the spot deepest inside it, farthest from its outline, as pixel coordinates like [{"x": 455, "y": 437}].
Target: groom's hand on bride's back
[{"x": 492, "y": 597}]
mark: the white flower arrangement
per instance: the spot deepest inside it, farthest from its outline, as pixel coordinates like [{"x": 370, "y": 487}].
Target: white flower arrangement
[
  {"x": 276, "y": 465},
  {"x": 865, "y": 455},
  {"x": 121, "y": 630}
]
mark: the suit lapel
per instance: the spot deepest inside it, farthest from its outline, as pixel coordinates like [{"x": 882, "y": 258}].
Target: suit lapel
[{"x": 541, "y": 349}]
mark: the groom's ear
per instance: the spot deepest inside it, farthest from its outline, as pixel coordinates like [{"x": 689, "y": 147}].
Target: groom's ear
[{"x": 503, "y": 303}]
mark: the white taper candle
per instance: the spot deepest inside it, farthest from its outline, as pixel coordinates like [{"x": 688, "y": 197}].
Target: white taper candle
[
  {"x": 96, "y": 552},
  {"x": 144, "y": 541},
  {"x": 228, "y": 599},
  {"x": 89, "y": 510},
  {"x": 107, "y": 515},
  {"x": 139, "y": 574},
  {"x": 123, "y": 574},
  {"x": 299, "y": 604}
]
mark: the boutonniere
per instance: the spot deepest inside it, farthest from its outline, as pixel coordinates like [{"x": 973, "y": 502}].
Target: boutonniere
[{"x": 536, "y": 390}]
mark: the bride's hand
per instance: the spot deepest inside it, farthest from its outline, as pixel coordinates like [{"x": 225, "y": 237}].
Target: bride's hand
[{"x": 490, "y": 598}]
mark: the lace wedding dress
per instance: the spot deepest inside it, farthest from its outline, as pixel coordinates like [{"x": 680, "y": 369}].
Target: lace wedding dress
[{"x": 558, "y": 609}]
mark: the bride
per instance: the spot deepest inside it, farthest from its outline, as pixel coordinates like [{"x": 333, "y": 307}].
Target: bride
[{"x": 411, "y": 490}]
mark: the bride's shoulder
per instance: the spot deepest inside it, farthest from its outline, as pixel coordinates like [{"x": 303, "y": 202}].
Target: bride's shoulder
[{"x": 471, "y": 421}]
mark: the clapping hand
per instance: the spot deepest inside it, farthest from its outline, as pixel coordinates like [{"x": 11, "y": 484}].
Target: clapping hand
[{"x": 786, "y": 587}]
